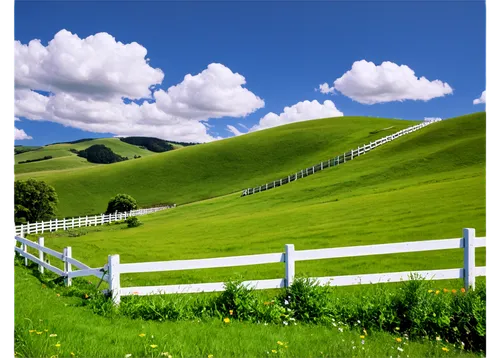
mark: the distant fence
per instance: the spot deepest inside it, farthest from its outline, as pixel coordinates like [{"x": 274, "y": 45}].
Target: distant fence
[
  {"x": 113, "y": 269},
  {"x": 65, "y": 224},
  {"x": 337, "y": 160}
]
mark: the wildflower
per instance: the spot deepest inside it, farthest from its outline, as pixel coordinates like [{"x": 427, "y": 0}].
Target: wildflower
[
  {"x": 286, "y": 302},
  {"x": 397, "y": 328},
  {"x": 437, "y": 292},
  {"x": 400, "y": 349},
  {"x": 226, "y": 320},
  {"x": 265, "y": 323},
  {"x": 72, "y": 354},
  {"x": 45, "y": 330},
  {"x": 362, "y": 337},
  {"x": 340, "y": 329},
  {"x": 362, "y": 341},
  {"x": 32, "y": 330},
  {"x": 53, "y": 335},
  {"x": 57, "y": 345},
  {"x": 58, "y": 295},
  {"x": 128, "y": 355},
  {"x": 365, "y": 332},
  {"x": 430, "y": 291},
  {"x": 165, "y": 354},
  {"x": 231, "y": 312},
  {"x": 285, "y": 323},
  {"x": 462, "y": 290},
  {"x": 453, "y": 291},
  {"x": 142, "y": 335},
  {"x": 153, "y": 346},
  {"x": 274, "y": 351},
  {"x": 38, "y": 332},
  {"x": 438, "y": 338},
  {"x": 359, "y": 321},
  {"x": 280, "y": 343},
  {"x": 291, "y": 319},
  {"x": 210, "y": 356},
  {"x": 86, "y": 296},
  {"x": 353, "y": 347},
  {"x": 267, "y": 303},
  {"x": 398, "y": 340},
  {"x": 445, "y": 290},
  {"x": 445, "y": 349}
]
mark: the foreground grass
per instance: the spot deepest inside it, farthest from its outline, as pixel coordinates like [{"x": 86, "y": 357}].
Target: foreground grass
[
  {"x": 214, "y": 169},
  {"x": 85, "y": 334}
]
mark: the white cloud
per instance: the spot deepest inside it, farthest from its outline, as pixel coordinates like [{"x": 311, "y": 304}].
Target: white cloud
[
  {"x": 19, "y": 134},
  {"x": 368, "y": 84},
  {"x": 16, "y": 119},
  {"x": 432, "y": 119},
  {"x": 325, "y": 89},
  {"x": 88, "y": 78},
  {"x": 234, "y": 130},
  {"x": 481, "y": 99},
  {"x": 301, "y": 111}
]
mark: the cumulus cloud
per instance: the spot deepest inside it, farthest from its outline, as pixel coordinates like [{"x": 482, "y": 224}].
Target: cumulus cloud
[
  {"x": 368, "y": 83},
  {"x": 325, "y": 89},
  {"x": 20, "y": 134},
  {"x": 301, "y": 111},
  {"x": 481, "y": 99},
  {"x": 88, "y": 80}
]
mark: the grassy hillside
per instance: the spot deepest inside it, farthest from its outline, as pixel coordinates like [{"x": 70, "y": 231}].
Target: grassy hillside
[
  {"x": 214, "y": 169},
  {"x": 427, "y": 185},
  {"x": 71, "y": 160}
]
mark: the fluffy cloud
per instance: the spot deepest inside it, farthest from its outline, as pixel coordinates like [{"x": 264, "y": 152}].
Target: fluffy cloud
[
  {"x": 481, "y": 99},
  {"x": 432, "y": 119},
  {"x": 234, "y": 130},
  {"x": 87, "y": 80},
  {"x": 368, "y": 83},
  {"x": 301, "y": 111},
  {"x": 19, "y": 134},
  {"x": 325, "y": 89}
]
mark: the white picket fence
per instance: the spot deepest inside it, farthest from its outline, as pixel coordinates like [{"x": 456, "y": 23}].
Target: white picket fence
[
  {"x": 343, "y": 158},
  {"x": 71, "y": 223},
  {"x": 113, "y": 269}
]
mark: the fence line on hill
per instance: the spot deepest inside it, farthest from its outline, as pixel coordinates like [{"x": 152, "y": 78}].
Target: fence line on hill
[
  {"x": 92, "y": 220},
  {"x": 114, "y": 268},
  {"x": 337, "y": 160}
]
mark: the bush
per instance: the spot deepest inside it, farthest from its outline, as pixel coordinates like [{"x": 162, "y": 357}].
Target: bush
[
  {"x": 152, "y": 144},
  {"x": 133, "y": 221},
  {"x": 100, "y": 154},
  {"x": 34, "y": 200},
  {"x": 47, "y": 157},
  {"x": 121, "y": 203},
  {"x": 237, "y": 300}
]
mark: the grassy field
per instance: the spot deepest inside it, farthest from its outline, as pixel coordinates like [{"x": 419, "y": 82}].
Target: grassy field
[
  {"x": 68, "y": 160},
  {"x": 41, "y": 313},
  {"x": 214, "y": 169},
  {"x": 425, "y": 186}
]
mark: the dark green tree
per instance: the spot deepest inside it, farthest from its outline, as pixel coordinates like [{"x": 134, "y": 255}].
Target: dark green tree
[
  {"x": 34, "y": 200},
  {"x": 121, "y": 203}
]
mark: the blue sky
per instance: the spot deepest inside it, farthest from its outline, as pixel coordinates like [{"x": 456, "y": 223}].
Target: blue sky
[{"x": 284, "y": 50}]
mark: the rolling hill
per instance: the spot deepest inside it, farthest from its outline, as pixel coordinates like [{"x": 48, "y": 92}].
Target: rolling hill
[{"x": 214, "y": 169}]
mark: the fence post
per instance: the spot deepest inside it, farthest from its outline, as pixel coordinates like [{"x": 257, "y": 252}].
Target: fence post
[
  {"x": 469, "y": 259},
  {"x": 29, "y": 230},
  {"x": 25, "y": 250},
  {"x": 40, "y": 253},
  {"x": 95, "y": 220},
  {"x": 67, "y": 265},
  {"x": 344, "y": 158},
  {"x": 114, "y": 277},
  {"x": 73, "y": 223},
  {"x": 289, "y": 264},
  {"x": 56, "y": 224}
]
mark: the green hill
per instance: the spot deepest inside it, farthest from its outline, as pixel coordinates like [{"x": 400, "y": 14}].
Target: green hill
[
  {"x": 427, "y": 185},
  {"x": 213, "y": 169}
]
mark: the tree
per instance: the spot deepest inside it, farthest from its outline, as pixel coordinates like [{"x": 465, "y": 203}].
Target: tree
[
  {"x": 34, "y": 200},
  {"x": 121, "y": 203}
]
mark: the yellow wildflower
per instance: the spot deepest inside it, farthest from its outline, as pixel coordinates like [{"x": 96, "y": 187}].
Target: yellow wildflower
[
  {"x": 398, "y": 340},
  {"x": 280, "y": 343},
  {"x": 57, "y": 345},
  {"x": 53, "y": 335},
  {"x": 86, "y": 296},
  {"x": 231, "y": 312},
  {"x": 142, "y": 335},
  {"x": 445, "y": 349},
  {"x": 430, "y": 291},
  {"x": 153, "y": 346},
  {"x": 45, "y": 330},
  {"x": 38, "y": 332},
  {"x": 445, "y": 290},
  {"x": 274, "y": 351},
  {"x": 437, "y": 292},
  {"x": 362, "y": 337},
  {"x": 57, "y": 294},
  {"x": 72, "y": 354},
  {"x": 210, "y": 356},
  {"x": 453, "y": 291},
  {"x": 365, "y": 332},
  {"x": 462, "y": 290},
  {"x": 226, "y": 320},
  {"x": 32, "y": 330}
]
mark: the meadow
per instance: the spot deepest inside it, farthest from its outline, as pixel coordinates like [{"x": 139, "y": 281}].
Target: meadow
[{"x": 427, "y": 185}]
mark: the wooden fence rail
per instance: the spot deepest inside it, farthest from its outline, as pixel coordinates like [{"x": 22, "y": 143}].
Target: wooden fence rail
[
  {"x": 70, "y": 223},
  {"x": 343, "y": 158}
]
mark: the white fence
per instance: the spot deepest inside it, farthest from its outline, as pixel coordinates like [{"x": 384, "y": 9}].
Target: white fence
[
  {"x": 337, "y": 160},
  {"x": 65, "y": 257},
  {"x": 113, "y": 269},
  {"x": 65, "y": 224}
]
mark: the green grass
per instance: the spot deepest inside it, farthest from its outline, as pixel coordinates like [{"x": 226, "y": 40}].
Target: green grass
[
  {"x": 425, "y": 186},
  {"x": 86, "y": 334},
  {"x": 214, "y": 169},
  {"x": 68, "y": 160}
]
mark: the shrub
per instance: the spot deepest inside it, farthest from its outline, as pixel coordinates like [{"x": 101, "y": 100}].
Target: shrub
[
  {"x": 34, "y": 200},
  {"x": 100, "y": 154},
  {"x": 47, "y": 157},
  {"x": 152, "y": 144},
  {"x": 121, "y": 203},
  {"x": 133, "y": 221},
  {"x": 237, "y": 300}
]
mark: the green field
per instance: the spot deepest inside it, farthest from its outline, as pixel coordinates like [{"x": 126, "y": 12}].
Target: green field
[
  {"x": 427, "y": 185},
  {"x": 69, "y": 160},
  {"x": 214, "y": 169}
]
